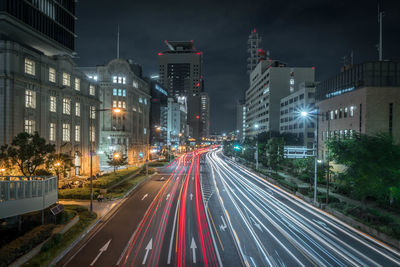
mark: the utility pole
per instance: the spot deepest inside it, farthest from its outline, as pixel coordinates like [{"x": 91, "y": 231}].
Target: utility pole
[{"x": 380, "y": 18}]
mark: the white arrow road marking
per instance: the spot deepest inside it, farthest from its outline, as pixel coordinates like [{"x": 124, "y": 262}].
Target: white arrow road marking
[
  {"x": 162, "y": 179},
  {"x": 145, "y": 196},
  {"x": 102, "y": 249},
  {"x": 223, "y": 226},
  {"x": 191, "y": 196},
  {"x": 256, "y": 224},
  {"x": 148, "y": 248},
  {"x": 193, "y": 247},
  {"x": 168, "y": 196}
]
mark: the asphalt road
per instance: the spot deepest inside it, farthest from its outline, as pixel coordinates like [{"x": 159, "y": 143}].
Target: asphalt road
[
  {"x": 274, "y": 228},
  {"x": 206, "y": 210}
]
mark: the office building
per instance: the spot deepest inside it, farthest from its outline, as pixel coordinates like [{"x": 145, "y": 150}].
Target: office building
[
  {"x": 253, "y": 48},
  {"x": 176, "y": 114},
  {"x": 291, "y": 107},
  {"x": 159, "y": 101},
  {"x": 362, "y": 98},
  {"x": 198, "y": 119},
  {"x": 270, "y": 81},
  {"x": 180, "y": 69},
  {"x": 240, "y": 120},
  {"x": 40, "y": 88},
  {"x": 121, "y": 86}
]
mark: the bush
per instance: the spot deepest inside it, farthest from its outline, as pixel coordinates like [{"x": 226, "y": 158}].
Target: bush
[
  {"x": 112, "y": 178},
  {"x": 341, "y": 189},
  {"x": 322, "y": 198},
  {"x": 22, "y": 245},
  {"x": 54, "y": 241},
  {"x": 288, "y": 185},
  {"x": 158, "y": 163}
]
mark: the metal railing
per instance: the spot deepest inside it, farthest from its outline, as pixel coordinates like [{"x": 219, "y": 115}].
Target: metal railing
[{"x": 19, "y": 195}]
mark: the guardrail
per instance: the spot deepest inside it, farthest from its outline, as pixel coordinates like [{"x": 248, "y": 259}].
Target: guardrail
[{"x": 19, "y": 195}]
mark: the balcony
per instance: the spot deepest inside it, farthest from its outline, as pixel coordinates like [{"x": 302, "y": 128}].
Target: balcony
[{"x": 19, "y": 195}]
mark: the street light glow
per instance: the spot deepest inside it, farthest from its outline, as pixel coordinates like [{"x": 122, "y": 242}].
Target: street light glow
[
  {"x": 116, "y": 110},
  {"x": 304, "y": 113},
  {"x": 256, "y": 126},
  {"x": 117, "y": 156}
]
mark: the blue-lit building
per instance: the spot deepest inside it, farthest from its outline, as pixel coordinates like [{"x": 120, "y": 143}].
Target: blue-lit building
[{"x": 158, "y": 116}]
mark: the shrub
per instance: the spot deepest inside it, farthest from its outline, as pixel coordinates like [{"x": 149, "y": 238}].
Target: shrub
[
  {"x": 288, "y": 185},
  {"x": 54, "y": 241},
  {"x": 24, "y": 244}
]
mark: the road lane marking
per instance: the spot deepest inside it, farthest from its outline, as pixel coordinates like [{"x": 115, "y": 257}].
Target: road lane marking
[
  {"x": 101, "y": 250},
  {"x": 162, "y": 179},
  {"x": 191, "y": 196},
  {"x": 168, "y": 196},
  {"x": 256, "y": 224},
  {"x": 148, "y": 248},
  {"x": 219, "y": 239},
  {"x": 223, "y": 226},
  {"x": 193, "y": 247},
  {"x": 145, "y": 196}
]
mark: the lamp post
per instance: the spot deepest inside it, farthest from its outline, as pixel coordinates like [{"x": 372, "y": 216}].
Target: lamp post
[
  {"x": 256, "y": 155},
  {"x": 91, "y": 132},
  {"x": 306, "y": 114}
]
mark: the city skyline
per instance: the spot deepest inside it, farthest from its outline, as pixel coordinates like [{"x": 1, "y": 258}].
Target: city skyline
[{"x": 310, "y": 33}]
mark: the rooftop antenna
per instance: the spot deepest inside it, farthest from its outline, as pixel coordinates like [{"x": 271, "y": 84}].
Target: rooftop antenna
[
  {"x": 380, "y": 18},
  {"x": 118, "y": 42}
]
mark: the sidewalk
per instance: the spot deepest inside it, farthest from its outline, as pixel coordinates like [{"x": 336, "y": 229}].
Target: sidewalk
[{"x": 100, "y": 208}]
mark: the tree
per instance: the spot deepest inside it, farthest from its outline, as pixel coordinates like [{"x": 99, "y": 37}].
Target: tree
[
  {"x": 117, "y": 160},
  {"x": 275, "y": 152},
  {"x": 372, "y": 163},
  {"x": 28, "y": 152},
  {"x": 60, "y": 164}
]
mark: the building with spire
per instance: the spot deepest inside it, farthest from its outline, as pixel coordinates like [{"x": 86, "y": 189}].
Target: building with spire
[{"x": 253, "y": 48}]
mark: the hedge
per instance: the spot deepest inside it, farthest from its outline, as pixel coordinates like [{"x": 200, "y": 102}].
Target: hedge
[{"x": 22, "y": 245}]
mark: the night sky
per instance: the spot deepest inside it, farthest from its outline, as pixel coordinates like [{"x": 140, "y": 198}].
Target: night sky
[{"x": 301, "y": 33}]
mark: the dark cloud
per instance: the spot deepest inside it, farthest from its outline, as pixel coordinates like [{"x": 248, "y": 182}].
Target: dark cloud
[{"x": 301, "y": 33}]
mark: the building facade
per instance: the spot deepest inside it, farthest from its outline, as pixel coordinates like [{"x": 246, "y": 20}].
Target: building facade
[
  {"x": 159, "y": 102},
  {"x": 291, "y": 121},
  {"x": 253, "y": 47},
  {"x": 240, "y": 120},
  {"x": 180, "y": 68},
  {"x": 127, "y": 132},
  {"x": 40, "y": 88},
  {"x": 271, "y": 81},
  {"x": 363, "y": 98}
]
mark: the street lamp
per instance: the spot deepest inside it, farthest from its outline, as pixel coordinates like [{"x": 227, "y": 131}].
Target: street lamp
[
  {"x": 306, "y": 114},
  {"x": 92, "y": 114},
  {"x": 256, "y": 127}
]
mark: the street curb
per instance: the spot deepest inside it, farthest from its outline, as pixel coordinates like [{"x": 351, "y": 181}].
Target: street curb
[
  {"x": 94, "y": 224},
  {"x": 360, "y": 228}
]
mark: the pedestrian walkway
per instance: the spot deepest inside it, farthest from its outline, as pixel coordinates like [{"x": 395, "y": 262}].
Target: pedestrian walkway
[{"x": 100, "y": 208}]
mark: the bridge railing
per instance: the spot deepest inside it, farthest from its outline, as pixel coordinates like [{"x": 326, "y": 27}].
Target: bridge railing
[{"x": 19, "y": 195}]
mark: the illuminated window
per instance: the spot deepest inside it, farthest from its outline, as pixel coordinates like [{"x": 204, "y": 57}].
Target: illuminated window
[
  {"x": 53, "y": 104},
  {"x": 123, "y": 104},
  {"x": 52, "y": 133},
  {"x": 66, "y": 130},
  {"x": 77, "y": 84},
  {"x": 124, "y": 92},
  {"x": 115, "y": 79},
  {"x": 66, "y": 79},
  {"x": 77, "y": 133},
  {"x": 119, "y": 79},
  {"x": 345, "y": 112},
  {"x": 92, "y": 134},
  {"x": 92, "y": 112},
  {"x": 77, "y": 109},
  {"x": 114, "y": 103},
  {"x": 52, "y": 75},
  {"x": 351, "y": 111},
  {"x": 115, "y": 92},
  {"x": 30, "y": 99},
  {"x": 119, "y": 92},
  {"x": 92, "y": 90},
  {"x": 135, "y": 84},
  {"x": 29, "y": 126},
  {"x": 29, "y": 66},
  {"x": 123, "y": 80},
  {"x": 145, "y": 101},
  {"x": 140, "y": 100},
  {"x": 67, "y": 106}
]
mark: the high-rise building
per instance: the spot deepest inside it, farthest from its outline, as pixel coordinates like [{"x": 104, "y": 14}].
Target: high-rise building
[
  {"x": 253, "y": 48},
  {"x": 41, "y": 89},
  {"x": 180, "y": 72},
  {"x": 362, "y": 98},
  {"x": 45, "y": 25},
  {"x": 271, "y": 81},
  {"x": 177, "y": 126},
  {"x": 122, "y": 86},
  {"x": 180, "y": 68},
  {"x": 291, "y": 121},
  {"x": 159, "y": 101},
  {"x": 240, "y": 120}
]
